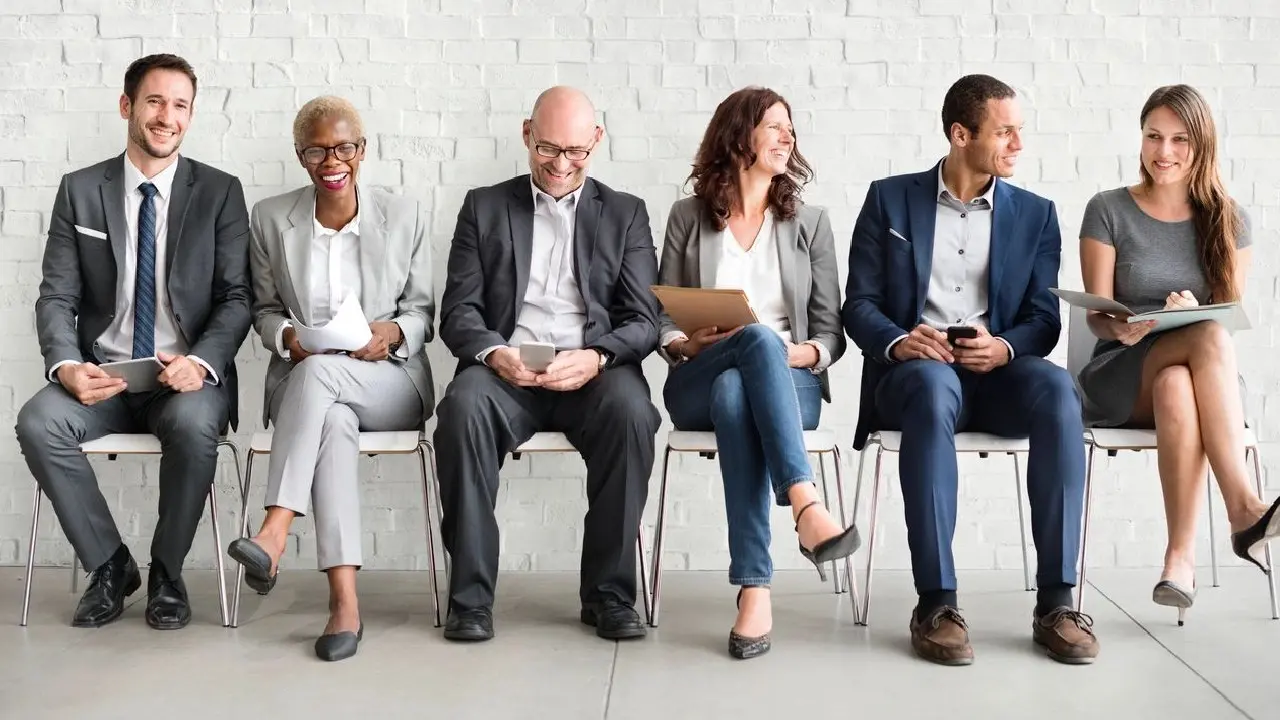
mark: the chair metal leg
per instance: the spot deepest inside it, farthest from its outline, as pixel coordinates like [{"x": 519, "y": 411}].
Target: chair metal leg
[
  {"x": 857, "y": 499},
  {"x": 851, "y": 579},
  {"x": 423, "y": 447},
  {"x": 659, "y": 535},
  {"x": 217, "y": 556},
  {"x": 871, "y": 533},
  {"x": 1271, "y": 570},
  {"x": 1084, "y": 530},
  {"x": 644, "y": 580},
  {"x": 31, "y": 556},
  {"x": 435, "y": 488},
  {"x": 1022, "y": 525},
  {"x": 75, "y": 572},
  {"x": 1213, "y": 535},
  {"x": 244, "y": 533},
  {"x": 826, "y": 502}
]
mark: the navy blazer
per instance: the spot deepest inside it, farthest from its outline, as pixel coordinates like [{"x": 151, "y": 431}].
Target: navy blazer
[{"x": 889, "y": 276}]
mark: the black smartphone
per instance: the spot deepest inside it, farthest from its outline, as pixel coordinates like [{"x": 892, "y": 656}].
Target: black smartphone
[{"x": 961, "y": 331}]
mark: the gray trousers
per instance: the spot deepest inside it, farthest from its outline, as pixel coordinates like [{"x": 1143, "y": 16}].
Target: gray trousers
[
  {"x": 318, "y": 413},
  {"x": 51, "y": 426}
]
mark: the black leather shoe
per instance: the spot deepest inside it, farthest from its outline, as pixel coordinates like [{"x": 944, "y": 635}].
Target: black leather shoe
[
  {"x": 167, "y": 606},
  {"x": 339, "y": 646},
  {"x": 469, "y": 625},
  {"x": 613, "y": 620},
  {"x": 256, "y": 562},
  {"x": 109, "y": 585}
]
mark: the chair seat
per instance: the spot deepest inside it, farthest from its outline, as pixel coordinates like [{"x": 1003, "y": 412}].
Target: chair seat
[
  {"x": 966, "y": 442},
  {"x": 371, "y": 443},
  {"x": 691, "y": 441},
  {"x": 1141, "y": 439},
  {"x": 547, "y": 442},
  {"x": 123, "y": 444}
]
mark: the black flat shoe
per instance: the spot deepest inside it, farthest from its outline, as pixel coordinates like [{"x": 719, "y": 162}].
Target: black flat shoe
[
  {"x": 256, "y": 562},
  {"x": 1246, "y": 542},
  {"x": 469, "y": 625},
  {"x": 833, "y": 548},
  {"x": 613, "y": 620},
  {"x": 109, "y": 585},
  {"x": 743, "y": 647},
  {"x": 167, "y": 604},
  {"x": 339, "y": 646}
]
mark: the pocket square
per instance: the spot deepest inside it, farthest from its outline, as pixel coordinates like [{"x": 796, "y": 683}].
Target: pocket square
[
  {"x": 898, "y": 235},
  {"x": 91, "y": 232}
]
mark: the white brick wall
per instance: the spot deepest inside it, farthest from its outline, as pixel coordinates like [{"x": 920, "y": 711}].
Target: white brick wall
[{"x": 444, "y": 84}]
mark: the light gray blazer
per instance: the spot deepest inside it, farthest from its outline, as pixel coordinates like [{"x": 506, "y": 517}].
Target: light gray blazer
[
  {"x": 806, "y": 255},
  {"x": 395, "y": 275}
]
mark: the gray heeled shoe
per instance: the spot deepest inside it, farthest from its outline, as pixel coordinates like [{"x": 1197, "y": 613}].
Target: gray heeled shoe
[
  {"x": 1171, "y": 594},
  {"x": 743, "y": 647}
]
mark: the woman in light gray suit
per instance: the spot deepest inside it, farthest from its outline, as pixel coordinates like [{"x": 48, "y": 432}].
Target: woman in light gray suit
[
  {"x": 759, "y": 386},
  {"x": 314, "y": 249}
]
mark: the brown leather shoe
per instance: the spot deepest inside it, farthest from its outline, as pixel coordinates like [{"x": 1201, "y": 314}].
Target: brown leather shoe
[
  {"x": 1066, "y": 636},
  {"x": 942, "y": 637}
]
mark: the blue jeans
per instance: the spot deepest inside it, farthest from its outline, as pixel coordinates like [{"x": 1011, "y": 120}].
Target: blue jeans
[{"x": 759, "y": 408}]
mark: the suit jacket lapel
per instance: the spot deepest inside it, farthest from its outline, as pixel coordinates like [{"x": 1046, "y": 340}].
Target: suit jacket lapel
[
  {"x": 112, "y": 190},
  {"x": 786, "y": 235},
  {"x": 586, "y": 220},
  {"x": 372, "y": 243},
  {"x": 922, "y": 208},
  {"x": 1003, "y": 221},
  {"x": 180, "y": 197},
  {"x": 708, "y": 250},
  {"x": 296, "y": 240},
  {"x": 520, "y": 219}
]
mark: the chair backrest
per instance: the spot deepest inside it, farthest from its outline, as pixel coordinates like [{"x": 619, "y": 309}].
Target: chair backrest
[{"x": 1080, "y": 341}]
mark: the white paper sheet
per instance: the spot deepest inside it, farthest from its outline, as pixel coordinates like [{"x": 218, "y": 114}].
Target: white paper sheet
[
  {"x": 1230, "y": 315},
  {"x": 348, "y": 331}
]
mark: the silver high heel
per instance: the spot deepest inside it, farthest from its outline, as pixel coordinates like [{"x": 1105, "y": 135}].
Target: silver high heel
[{"x": 1171, "y": 594}]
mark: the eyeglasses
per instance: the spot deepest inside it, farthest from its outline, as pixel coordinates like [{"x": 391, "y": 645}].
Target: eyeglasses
[
  {"x": 551, "y": 151},
  {"x": 316, "y": 154}
]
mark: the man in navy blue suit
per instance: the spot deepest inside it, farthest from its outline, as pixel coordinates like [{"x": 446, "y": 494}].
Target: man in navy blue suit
[{"x": 957, "y": 246}]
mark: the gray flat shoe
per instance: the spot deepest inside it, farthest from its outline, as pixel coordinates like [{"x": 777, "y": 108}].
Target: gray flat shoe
[{"x": 339, "y": 646}]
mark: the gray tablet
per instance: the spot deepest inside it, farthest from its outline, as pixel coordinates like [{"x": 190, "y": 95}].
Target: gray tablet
[{"x": 139, "y": 375}]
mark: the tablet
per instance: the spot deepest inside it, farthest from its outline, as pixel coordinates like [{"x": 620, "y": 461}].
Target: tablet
[
  {"x": 139, "y": 375},
  {"x": 692, "y": 309}
]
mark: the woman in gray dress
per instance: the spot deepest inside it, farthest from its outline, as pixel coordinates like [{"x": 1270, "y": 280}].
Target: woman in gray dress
[{"x": 1173, "y": 240}]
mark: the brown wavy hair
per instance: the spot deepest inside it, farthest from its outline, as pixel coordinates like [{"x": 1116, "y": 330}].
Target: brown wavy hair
[
  {"x": 726, "y": 150},
  {"x": 1217, "y": 222}
]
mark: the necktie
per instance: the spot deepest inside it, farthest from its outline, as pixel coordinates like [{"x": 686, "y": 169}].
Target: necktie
[{"x": 144, "y": 294}]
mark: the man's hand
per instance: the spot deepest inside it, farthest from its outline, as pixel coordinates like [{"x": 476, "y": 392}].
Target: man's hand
[
  {"x": 181, "y": 373},
  {"x": 701, "y": 340},
  {"x": 981, "y": 354},
  {"x": 507, "y": 363},
  {"x": 297, "y": 353},
  {"x": 924, "y": 343},
  {"x": 385, "y": 334},
  {"x": 570, "y": 370},
  {"x": 89, "y": 383},
  {"x": 803, "y": 355}
]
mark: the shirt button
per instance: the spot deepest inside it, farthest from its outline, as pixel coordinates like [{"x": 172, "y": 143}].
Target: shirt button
[
  {"x": 957, "y": 288},
  {"x": 964, "y": 215},
  {"x": 961, "y": 251}
]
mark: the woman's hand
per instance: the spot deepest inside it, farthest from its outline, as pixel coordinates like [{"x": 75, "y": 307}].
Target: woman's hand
[
  {"x": 1180, "y": 300},
  {"x": 1126, "y": 332},
  {"x": 802, "y": 355},
  {"x": 701, "y": 340}
]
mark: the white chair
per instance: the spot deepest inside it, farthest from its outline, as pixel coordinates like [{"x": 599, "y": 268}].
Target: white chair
[
  {"x": 542, "y": 442},
  {"x": 372, "y": 444},
  {"x": 817, "y": 442},
  {"x": 1080, "y": 344},
  {"x": 982, "y": 444},
  {"x": 132, "y": 444}
]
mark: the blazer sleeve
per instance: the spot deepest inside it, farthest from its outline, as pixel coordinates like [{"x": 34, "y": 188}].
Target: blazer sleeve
[
  {"x": 269, "y": 312},
  {"x": 230, "y": 315},
  {"x": 416, "y": 307},
  {"x": 59, "y": 302},
  {"x": 633, "y": 312},
  {"x": 680, "y": 228},
  {"x": 462, "y": 323},
  {"x": 824, "y": 298},
  {"x": 864, "y": 320},
  {"x": 1038, "y": 326}
]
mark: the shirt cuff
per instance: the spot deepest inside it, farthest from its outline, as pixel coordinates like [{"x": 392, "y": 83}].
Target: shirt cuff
[
  {"x": 281, "y": 350},
  {"x": 480, "y": 356},
  {"x": 212, "y": 379},
  {"x": 53, "y": 371},
  {"x": 671, "y": 337},
  {"x": 1006, "y": 344},
  {"x": 824, "y": 356},
  {"x": 888, "y": 352}
]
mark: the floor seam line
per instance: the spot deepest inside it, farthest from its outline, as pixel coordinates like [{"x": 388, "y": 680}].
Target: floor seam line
[
  {"x": 1171, "y": 653},
  {"x": 608, "y": 688}
]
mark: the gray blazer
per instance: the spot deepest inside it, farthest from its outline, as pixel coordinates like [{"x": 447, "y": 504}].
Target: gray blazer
[
  {"x": 207, "y": 266},
  {"x": 395, "y": 275},
  {"x": 806, "y": 254}
]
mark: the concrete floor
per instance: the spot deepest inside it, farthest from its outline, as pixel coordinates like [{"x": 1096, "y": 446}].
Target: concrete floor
[{"x": 544, "y": 664}]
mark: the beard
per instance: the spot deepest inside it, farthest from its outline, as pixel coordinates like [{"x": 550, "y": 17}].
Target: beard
[{"x": 138, "y": 134}]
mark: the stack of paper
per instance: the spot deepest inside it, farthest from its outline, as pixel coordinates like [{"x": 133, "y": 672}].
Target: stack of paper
[
  {"x": 348, "y": 331},
  {"x": 1230, "y": 315}
]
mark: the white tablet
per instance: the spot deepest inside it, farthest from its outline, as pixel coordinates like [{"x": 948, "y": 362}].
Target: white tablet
[{"x": 139, "y": 375}]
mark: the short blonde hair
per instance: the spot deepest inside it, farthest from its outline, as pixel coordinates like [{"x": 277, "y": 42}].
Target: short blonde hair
[{"x": 325, "y": 106}]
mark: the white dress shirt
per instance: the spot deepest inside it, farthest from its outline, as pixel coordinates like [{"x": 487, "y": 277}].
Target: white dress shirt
[
  {"x": 552, "y": 310},
  {"x": 335, "y": 274},
  {"x": 116, "y": 342}
]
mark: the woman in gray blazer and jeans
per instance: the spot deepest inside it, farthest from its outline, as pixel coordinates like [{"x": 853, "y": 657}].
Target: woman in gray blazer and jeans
[{"x": 759, "y": 386}]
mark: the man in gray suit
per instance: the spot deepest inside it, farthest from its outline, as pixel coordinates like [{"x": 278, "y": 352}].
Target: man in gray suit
[
  {"x": 550, "y": 257},
  {"x": 147, "y": 257}
]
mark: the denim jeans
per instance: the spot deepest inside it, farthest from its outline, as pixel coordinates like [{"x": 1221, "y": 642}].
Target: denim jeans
[{"x": 743, "y": 389}]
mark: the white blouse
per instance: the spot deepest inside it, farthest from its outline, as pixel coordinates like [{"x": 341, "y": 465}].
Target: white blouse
[{"x": 757, "y": 273}]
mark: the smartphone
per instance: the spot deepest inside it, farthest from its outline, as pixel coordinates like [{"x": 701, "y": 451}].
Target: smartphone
[
  {"x": 536, "y": 356},
  {"x": 961, "y": 331}
]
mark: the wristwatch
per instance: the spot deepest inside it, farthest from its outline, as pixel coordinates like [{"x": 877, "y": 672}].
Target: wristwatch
[{"x": 605, "y": 358}]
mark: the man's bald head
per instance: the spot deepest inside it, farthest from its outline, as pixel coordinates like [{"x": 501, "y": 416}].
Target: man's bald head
[{"x": 563, "y": 119}]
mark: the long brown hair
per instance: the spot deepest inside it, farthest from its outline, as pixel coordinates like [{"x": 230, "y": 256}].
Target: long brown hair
[
  {"x": 1217, "y": 222},
  {"x": 726, "y": 150}
]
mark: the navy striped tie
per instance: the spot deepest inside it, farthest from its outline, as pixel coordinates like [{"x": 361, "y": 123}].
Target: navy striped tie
[{"x": 144, "y": 294}]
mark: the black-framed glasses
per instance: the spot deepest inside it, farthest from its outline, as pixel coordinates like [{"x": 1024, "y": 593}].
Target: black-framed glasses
[
  {"x": 552, "y": 152},
  {"x": 316, "y": 154}
]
